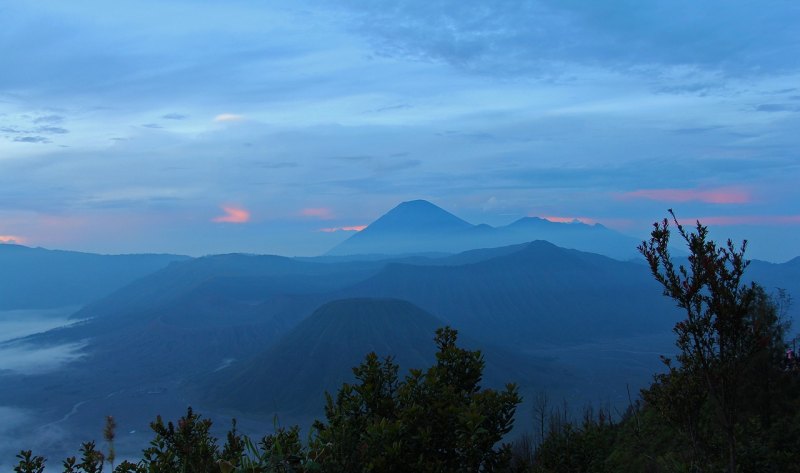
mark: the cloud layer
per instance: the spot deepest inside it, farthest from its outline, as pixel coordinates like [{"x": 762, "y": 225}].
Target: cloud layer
[
  {"x": 233, "y": 215},
  {"x": 130, "y": 134},
  {"x": 711, "y": 196}
]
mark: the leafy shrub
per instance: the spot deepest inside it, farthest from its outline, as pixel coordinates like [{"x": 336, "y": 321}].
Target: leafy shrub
[{"x": 438, "y": 420}]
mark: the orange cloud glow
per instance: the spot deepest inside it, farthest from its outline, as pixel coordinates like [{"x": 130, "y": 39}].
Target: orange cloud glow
[
  {"x": 12, "y": 239},
  {"x": 322, "y": 213},
  {"x": 233, "y": 215},
  {"x": 712, "y": 196},
  {"x": 744, "y": 220},
  {"x": 354, "y": 228}
]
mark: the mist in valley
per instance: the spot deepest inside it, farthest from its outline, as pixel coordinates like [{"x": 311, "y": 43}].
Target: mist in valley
[
  {"x": 21, "y": 427},
  {"x": 23, "y": 322},
  {"x": 228, "y": 205},
  {"x": 263, "y": 337}
]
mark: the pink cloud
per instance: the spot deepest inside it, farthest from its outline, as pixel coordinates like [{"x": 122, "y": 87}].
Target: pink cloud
[
  {"x": 233, "y": 215},
  {"x": 744, "y": 220},
  {"x": 322, "y": 213},
  {"x": 12, "y": 239},
  {"x": 712, "y": 196},
  {"x": 354, "y": 228}
]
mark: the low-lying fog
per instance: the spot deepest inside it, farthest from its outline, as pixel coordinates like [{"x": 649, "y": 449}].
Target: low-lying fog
[
  {"x": 22, "y": 429},
  {"x": 12, "y": 420},
  {"x": 26, "y": 358},
  {"x": 22, "y": 356},
  {"x": 21, "y": 323},
  {"x": 603, "y": 372}
]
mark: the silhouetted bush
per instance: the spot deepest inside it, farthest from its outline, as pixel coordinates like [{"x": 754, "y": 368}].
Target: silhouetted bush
[{"x": 436, "y": 420}]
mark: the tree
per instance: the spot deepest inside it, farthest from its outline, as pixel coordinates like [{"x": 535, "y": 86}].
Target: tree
[
  {"x": 729, "y": 325},
  {"x": 29, "y": 463},
  {"x": 432, "y": 421},
  {"x": 439, "y": 420}
]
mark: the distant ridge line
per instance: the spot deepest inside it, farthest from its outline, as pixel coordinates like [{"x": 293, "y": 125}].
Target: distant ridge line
[{"x": 419, "y": 226}]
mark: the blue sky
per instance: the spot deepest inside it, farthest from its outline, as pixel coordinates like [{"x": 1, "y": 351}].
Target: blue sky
[{"x": 209, "y": 126}]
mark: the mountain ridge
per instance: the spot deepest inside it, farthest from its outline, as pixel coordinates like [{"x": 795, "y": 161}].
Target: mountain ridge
[
  {"x": 71, "y": 278},
  {"x": 318, "y": 356},
  {"x": 419, "y": 227}
]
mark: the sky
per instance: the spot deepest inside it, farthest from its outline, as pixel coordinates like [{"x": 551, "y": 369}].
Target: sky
[{"x": 283, "y": 127}]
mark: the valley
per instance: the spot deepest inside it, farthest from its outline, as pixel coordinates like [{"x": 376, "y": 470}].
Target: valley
[{"x": 262, "y": 338}]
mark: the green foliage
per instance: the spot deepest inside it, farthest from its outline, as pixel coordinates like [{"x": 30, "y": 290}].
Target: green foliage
[
  {"x": 726, "y": 403},
  {"x": 29, "y": 463},
  {"x": 437, "y": 420},
  {"x": 185, "y": 447},
  {"x": 128, "y": 467},
  {"x": 109, "y": 432},
  {"x": 281, "y": 452},
  {"x": 571, "y": 447},
  {"x": 731, "y": 341},
  {"x": 91, "y": 460}
]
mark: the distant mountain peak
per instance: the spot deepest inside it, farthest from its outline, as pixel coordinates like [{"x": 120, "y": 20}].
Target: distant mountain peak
[
  {"x": 419, "y": 227},
  {"x": 418, "y": 203},
  {"x": 13, "y": 247},
  {"x": 529, "y": 221},
  {"x": 413, "y": 217},
  {"x": 422, "y": 215},
  {"x": 546, "y": 221},
  {"x": 407, "y": 228}
]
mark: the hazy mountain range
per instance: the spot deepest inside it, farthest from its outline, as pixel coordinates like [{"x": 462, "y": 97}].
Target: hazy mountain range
[
  {"x": 36, "y": 278},
  {"x": 318, "y": 356},
  {"x": 253, "y": 335},
  {"x": 419, "y": 226}
]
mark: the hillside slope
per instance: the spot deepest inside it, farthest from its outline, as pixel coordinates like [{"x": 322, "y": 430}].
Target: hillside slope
[
  {"x": 539, "y": 293},
  {"x": 37, "y": 278},
  {"x": 318, "y": 356},
  {"x": 420, "y": 227}
]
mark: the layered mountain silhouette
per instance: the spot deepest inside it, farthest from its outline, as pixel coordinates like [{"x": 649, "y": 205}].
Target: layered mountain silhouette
[
  {"x": 419, "y": 227},
  {"x": 291, "y": 377},
  {"x": 319, "y": 353},
  {"x": 232, "y": 306},
  {"x": 268, "y": 334},
  {"x": 209, "y": 284},
  {"x": 192, "y": 317},
  {"x": 37, "y": 278},
  {"x": 530, "y": 294},
  {"x": 779, "y": 276}
]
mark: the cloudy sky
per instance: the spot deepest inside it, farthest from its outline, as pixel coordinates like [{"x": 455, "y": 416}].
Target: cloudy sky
[{"x": 215, "y": 126}]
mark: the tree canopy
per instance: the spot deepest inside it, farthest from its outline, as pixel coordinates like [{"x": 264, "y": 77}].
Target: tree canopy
[
  {"x": 435, "y": 420},
  {"x": 728, "y": 401}
]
